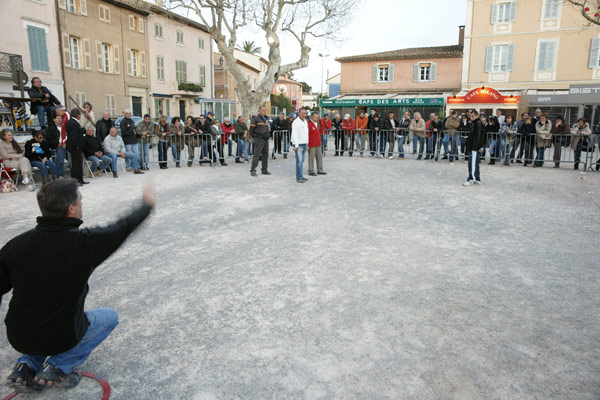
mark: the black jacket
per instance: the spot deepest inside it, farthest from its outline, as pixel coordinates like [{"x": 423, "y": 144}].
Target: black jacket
[
  {"x": 52, "y": 135},
  {"x": 279, "y": 124},
  {"x": 476, "y": 138},
  {"x": 41, "y": 99},
  {"x": 259, "y": 127},
  {"x": 45, "y": 314},
  {"x": 404, "y": 125},
  {"x": 128, "y": 131},
  {"x": 91, "y": 144},
  {"x": 74, "y": 135},
  {"x": 336, "y": 124},
  {"x": 37, "y": 156},
  {"x": 464, "y": 127},
  {"x": 202, "y": 128},
  {"x": 527, "y": 129},
  {"x": 436, "y": 125},
  {"x": 375, "y": 123},
  {"x": 387, "y": 124},
  {"x": 102, "y": 130}
]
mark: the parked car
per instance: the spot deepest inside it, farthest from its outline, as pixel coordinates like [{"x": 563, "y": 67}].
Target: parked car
[{"x": 135, "y": 119}]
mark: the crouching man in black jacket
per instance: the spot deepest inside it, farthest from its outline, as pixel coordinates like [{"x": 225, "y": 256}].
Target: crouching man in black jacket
[
  {"x": 475, "y": 145},
  {"x": 46, "y": 321}
]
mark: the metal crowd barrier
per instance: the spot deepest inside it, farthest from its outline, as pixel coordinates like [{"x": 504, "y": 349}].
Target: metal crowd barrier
[{"x": 281, "y": 143}]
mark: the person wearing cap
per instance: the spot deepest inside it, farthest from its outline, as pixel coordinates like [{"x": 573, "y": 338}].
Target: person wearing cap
[
  {"x": 451, "y": 127},
  {"x": 144, "y": 131},
  {"x": 129, "y": 138}
]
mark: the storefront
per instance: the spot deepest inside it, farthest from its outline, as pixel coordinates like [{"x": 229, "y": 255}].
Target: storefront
[
  {"x": 219, "y": 108},
  {"x": 579, "y": 101},
  {"x": 384, "y": 104},
  {"x": 486, "y": 100}
]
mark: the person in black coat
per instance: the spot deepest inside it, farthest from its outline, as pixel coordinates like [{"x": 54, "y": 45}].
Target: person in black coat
[
  {"x": 436, "y": 127},
  {"x": 527, "y": 131},
  {"x": 52, "y": 135},
  {"x": 475, "y": 146},
  {"x": 203, "y": 127},
  {"x": 391, "y": 126},
  {"x": 464, "y": 128},
  {"x": 46, "y": 321},
  {"x": 39, "y": 154},
  {"x": 374, "y": 129},
  {"x": 277, "y": 127},
  {"x": 43, "y": 101},
  {"x": 75, "y": 145},
  {"x": 94, "y": 152}
]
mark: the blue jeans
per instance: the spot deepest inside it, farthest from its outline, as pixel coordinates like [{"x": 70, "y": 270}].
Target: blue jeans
[
  {"x": 102, "y": 322},
  {"x": 324, "y": 139},
  {"x": 415, "y": 140},
  {"x": 113, "y": 161},
  {"x": 300, "y": 154},
  {"x": 61, "y": 154},
  {"x": 453, "y": 146},
  {"x": 132, "y": 162},
  {"x": 176, "y": 154},
  {"x": 44, "y": 168},
  {"x": 143, "y": 150},
  {"x": 421, "y": 141},
  {"x": 239, "y": 153},
  {"x": 445, "y": 141},
  {"x": 539, "y": 157},
  {"x": 246, "y": 151},
  {"x": 230, "y": 146},
  {"x": 431, "y": 142},
  {"x": 492, "y": 147},
  {"x": 104, "y": 161},
  {"x": 401, "y": 139}
]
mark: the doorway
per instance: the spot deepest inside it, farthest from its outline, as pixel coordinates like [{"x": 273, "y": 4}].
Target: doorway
[
  {"x": 136, "y": 106},
  {"x": 182, "y": 109}
]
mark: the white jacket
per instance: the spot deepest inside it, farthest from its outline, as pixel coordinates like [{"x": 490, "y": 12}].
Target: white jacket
[
  {"x": 299, "y": 132},
  {"x": 113, "y": 144}
]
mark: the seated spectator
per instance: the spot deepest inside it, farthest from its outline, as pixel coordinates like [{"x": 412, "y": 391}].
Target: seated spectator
[
  {"x": 114, "y": 147},
  {"x": 39, "y": 154},
  {"x": 43, "y": 101},
  {"x": 12, "y": 157},
  {"x": 177, "y": 141},
  {"x": 94, "y": 152}
]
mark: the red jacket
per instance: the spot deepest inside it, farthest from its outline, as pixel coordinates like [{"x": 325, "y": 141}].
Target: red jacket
[
  {"x": 427, "y": 125},
  {"x": 314, "y": 135},
  {"x": 325, "y": 125},
  {"x": 349, "y": 125},
  {"x": 227, "y": 130}
]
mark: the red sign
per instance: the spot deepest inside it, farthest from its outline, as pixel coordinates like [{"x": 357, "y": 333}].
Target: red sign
[{"x": 486, "y": 95}]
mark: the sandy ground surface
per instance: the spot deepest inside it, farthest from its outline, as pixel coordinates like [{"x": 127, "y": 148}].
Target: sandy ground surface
[{"x": 382, "y": 280}]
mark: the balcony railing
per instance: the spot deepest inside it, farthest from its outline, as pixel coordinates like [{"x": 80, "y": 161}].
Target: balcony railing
[{"x": 9, "y": 63}]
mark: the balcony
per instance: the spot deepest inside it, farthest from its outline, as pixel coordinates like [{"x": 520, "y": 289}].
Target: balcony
[
  {"x": 9, "y": 63},
  {"x": 189, "y": 87}
]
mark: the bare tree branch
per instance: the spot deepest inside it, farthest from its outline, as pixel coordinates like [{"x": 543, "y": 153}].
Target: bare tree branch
[{"x": 581, "y": 5}]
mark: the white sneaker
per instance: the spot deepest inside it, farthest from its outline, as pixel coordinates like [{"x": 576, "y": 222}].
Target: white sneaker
[
  {"x": 31, "y": 187},
  {"x": 25, "y": 181},
  {"x": 477, "y": 182},
  {"x": 468, "y": 183},
  {"x": 391, "y": 158}
]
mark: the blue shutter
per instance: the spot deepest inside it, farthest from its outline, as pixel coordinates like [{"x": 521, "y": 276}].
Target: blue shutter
[
  {"x": 510, "y": 61},
  {"x": 542, "y": 55},
  {"x": 433, "y": 72},
  {"x": 494, "y": 17},
  {"x": 37, "y": 48},
  {"x": 550, "y": 50},
  {"x": 594, "y": 53},
  {"x": 489, "y": 53},
  {"x": 416, "y": 77},
  {"x": 513, "y": 12}
]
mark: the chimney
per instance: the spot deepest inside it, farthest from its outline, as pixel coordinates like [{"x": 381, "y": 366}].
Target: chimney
[{"x": 461, "y": 35}]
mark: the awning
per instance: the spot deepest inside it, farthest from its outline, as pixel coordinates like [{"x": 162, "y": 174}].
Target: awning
[
  {"x": 390, "y": 100},
  {"x": 166, "y": 96}
]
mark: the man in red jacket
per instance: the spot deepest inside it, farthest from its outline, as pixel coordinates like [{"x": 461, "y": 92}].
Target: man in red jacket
[{"x": 314, "y": 145}]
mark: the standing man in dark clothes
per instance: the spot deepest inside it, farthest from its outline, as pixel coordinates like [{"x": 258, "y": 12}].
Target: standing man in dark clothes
[
  {"x": 391, "y": 126},
  {"x": 259, "y": 130},
  {"x": 75, "y": 146},
  {"x": 46, "y": 321},
  {"x": 103, "y": 126},
  {"x": 202, "y": 125},
  {"x": 277, "y": 127},
  {"x": 475, "y": 145},
  {"x": 128, "y": 133}
]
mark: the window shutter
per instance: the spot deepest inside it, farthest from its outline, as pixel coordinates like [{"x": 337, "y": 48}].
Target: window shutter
[
  {"x": 550, "y": 56},
  {"x": 185, "y": 71},
  {"x": 594, "y": 52},
  {"x": 101, "y": 14},
  {"x": 129, "y": 65},
  {"x": 513, "y": 12},
  {"x": 62, "y": 4},
  {"x": 37, "y": 48},
  {"x": 87, "y": 54},
  {"x": 143, "y": 63},
  {"x": 489, "y": 53},
  {"x": 542, "y": 54},
  {"x": 142, "y": 26},
  {"x": 168, "y": 104},
  {"x": 510, "y": 59},
  {"x": 116, "y": 60},
  {"x": 203, "y": 76},
  {"x": 83, "y": 7},
  {"x": 391, "y": 73},
  {"x": 494, "y": 18},
  {"x": 66, "y": 50},
  {"x": 416, "y": 77},
  {"x": 107, "y": 15},
  {"x": 433, "y": 72},
  {"x": 99, "y": 63},
  {"x": 132, "y": 22},
  {"x": 375, "y": 73}
]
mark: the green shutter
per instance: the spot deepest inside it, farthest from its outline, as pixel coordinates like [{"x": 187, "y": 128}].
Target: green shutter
[
  {"x": 375, "y": 73},
  {"x": 489, "y": 54},
  {"x": 594, "y": 52},
  {"x": 416, "y": 77},
  {"x": 391, "y": 73},
  {"x": 37, "y": 48},
  {"x": 202, "y": 76},
  {"x": 433, "y": 73}
]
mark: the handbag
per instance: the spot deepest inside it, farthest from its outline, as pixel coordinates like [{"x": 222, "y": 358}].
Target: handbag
[
  {"x": 587, "y": 145},
  {"x": 7, "y": 186}
]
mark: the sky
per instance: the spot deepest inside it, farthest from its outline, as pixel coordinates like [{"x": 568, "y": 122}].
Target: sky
[{"x": 374, "y": 26}]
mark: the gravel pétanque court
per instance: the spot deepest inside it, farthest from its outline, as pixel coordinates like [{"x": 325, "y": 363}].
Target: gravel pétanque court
[{"x": 382, "y": 280}]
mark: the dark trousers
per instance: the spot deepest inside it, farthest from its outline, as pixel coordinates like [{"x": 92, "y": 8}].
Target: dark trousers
[
  {"x": 163, "y": 147},
  {"x": 474, "y": 165},
  {"x": 76, "y": 164},
  {"x": 277, "y": 142},
  {"x": 340, "y": 142},
  {"x": 261, "y": 148},
  {"x": 372, "y": 141}
]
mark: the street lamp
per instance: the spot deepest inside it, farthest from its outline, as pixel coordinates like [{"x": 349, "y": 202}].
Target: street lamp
[{"x": 322, "y": 62}]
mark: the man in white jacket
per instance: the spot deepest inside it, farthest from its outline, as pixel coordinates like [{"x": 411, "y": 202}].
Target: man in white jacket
[
  {"x": 300, "y": 142},
  {"x": 114, "y": 147}
]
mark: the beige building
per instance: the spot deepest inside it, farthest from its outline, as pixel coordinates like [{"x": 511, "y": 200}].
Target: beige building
[
  {"x": 105, "y": 54},
  {"x": 539, "y": 51},
  {"x": 180, "y": 60},
  {"x": 290, "y": 89}
]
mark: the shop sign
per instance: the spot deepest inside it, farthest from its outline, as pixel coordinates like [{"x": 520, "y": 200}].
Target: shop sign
[
  {"x": 484, "y": 95},
  {"x": 581, "y": 94},
  {"x": 411, "y": 101}
]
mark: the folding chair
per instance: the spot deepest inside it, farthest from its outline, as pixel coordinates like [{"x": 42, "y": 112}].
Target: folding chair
[{"x": 122, "y": 162}]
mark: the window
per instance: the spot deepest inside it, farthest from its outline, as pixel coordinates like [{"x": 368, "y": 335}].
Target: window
[
  {"x": 202, "y": 80},
  {"x": 504, "y": 13},
  {"x": 136, "y": 63},
  {"x": 80, "y": 98},
  {"x": 37, "y": 48},
  {"x": 158, "y": 31},
  {"x": 383, "y": 73},
  {"x": 200, "y": 43},
  {"x": 595, "y": 53},
  {"x": 106, "y": 59},
  {"x": 158, "y": 103},
  {"x": 499, "y": 58},
  {"x": 141, "y": 25},
  {"x": 180, "y": 37},
  {"x": 546, "y": 55},
  {"x": 71, "y": 6},
  {"x": 74, "y": 49},
  {"x": 424, "y": 72},
  {"x": 181, "y": 71},
  {"x": 103, "y": 13},
  {"x": 160, "y": 68},
  {"x": 111, "y": 105},
  {"x": 551, "y": 9},
  {"x": 132, "y": 22}
]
